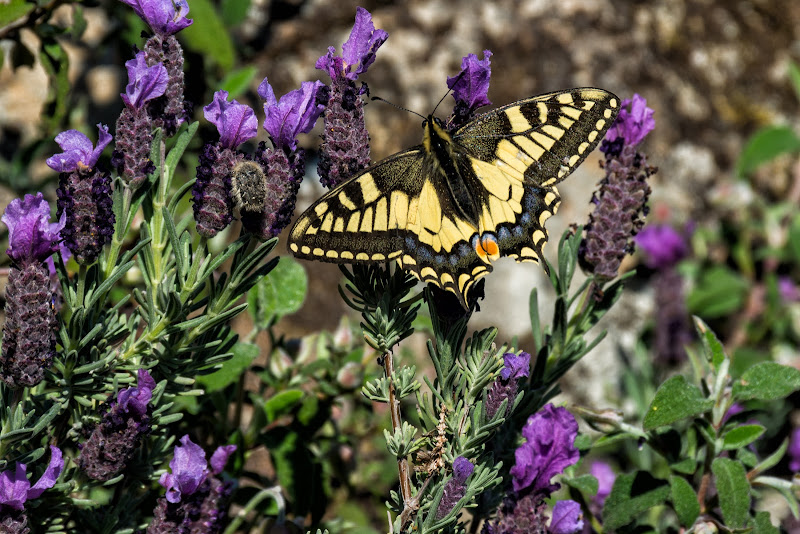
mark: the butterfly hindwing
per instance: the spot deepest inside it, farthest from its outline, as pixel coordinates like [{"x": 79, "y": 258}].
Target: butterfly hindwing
[{"x": 447, "y": 209}]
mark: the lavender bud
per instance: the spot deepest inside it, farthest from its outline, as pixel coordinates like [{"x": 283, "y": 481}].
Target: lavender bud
[
  {"x": 29, "y": 334},
  {"x": 131, "y": 156},
  {"x": 168, "y": 111},
  {"x": 505, "y": 387},
  {"x": 527, "y": 514},
  {"x": 14, "y": 522},
  {"x": 84, "y": 195},
  {"x": 211, "y": 193}
]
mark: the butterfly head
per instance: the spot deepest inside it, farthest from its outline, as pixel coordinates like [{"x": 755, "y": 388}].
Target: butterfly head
[{"x": 436, "y": 136}]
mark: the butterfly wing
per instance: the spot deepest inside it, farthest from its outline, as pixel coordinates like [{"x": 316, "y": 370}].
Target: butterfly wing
[{"x": 517, "y": 153}]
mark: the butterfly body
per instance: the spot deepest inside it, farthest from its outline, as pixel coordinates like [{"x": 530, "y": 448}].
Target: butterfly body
[{"x": 448, "y": 208}]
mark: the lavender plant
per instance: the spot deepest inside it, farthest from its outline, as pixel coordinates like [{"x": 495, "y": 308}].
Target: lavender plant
[{"x": 118, "y": 340}]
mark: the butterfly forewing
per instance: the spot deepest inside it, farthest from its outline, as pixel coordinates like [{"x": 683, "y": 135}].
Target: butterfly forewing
[{"x": 508, "y": 160}]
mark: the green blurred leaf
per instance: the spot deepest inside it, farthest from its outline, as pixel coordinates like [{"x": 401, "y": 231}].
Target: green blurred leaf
[
  {"x": 684, "y": 500},
  {"x": 741, "y": 436},
  {"x": 765, "y": 145},
  {"x": 793, "y": 242},
  {"x": 279, "y": 293},
  {"x": 632, "y": 495},
  {"x": 686, "y": 466},
  {"x": 794, "y": 76},
  {"x": 13, "y": 10},
  {"x": 208, "y": 36},
  {"x": 234, "y": 11},
  {"x": 763, "y": 524},
  {"x": 238, "y": 81},
  {"x": 766, "y": 381},
  {"x": 243, "y": 356},
  {"x": 733, "y": 489},
  {"x": 586, "y": 484},
  {"x": 675, "y": 399},
  {"x": 282, "y": 403},
  {"x": 720, "y": 291}
]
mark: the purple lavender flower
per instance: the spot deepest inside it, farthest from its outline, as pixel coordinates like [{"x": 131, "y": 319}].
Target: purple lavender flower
[
  {"x": 505, "y": 387},
  {"x": 567, "y": 518},
  {"x": 296, "y": 112},
  {"x": 526, "y": 514},
  {"x": 456, "y": 487},
  {"x": 144, "y": 82},
  {"x": 284, "y": 163},
  {"x": 788, "y": 290},
  {"x": 663, "y": 246},
  {"x": 165, "y": 17},
  {"x": 78, "y": 150},
  {"x": 113, "y": 442},
  {"x": 16, "y": 490},
  {"x": 794, "y": 451},
  {"x": 345, "y": 144},
  {"x": 605, "y": 481},
  {"x": 235, "y": 122},
  {"x": 620, "y": 201},
  {"x": 31, "y": 235},
  {"x": 195, "y": 497},
  {"x": 131, "y": 157},
  {"x": 470, "y": 88},
  {"x": 549, "y": 450},
  {"x": 358, "y": 52},
  {"x": 29, "y": 333},
  {"x": 84, "y": 194},
  {"x": 633, "y": 123}
]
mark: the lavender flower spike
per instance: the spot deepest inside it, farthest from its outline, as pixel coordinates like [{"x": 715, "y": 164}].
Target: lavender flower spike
[
  {"x": 456, "y": 487},
  {"x": 549, "y": 450},
  {"x": 165, "y": 17},
  {"x": 78, "y": 150},
  {"x": 471, "y": 86},
  {"x": 358, "y": 52},
  {"x": 295, "y": 113},
  {"x": 144, "y": 83},
  {"x": 31, "y": 235},
  {"x": 505, "y": 387},
  {"x": 235, "y": 122},
  {"x": 16, "y": 489}
]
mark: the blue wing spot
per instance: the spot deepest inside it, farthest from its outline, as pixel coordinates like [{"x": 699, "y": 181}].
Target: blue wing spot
[
  {"x": 503, "y": 233},
  {"x": 440, "y": 259},
  {"x": 526, "y": 217},
  {"x": 424, "y": 254},
  {"x": 411, "y": 245},
  {"x": 453, "y": 260},
  {"x": 464, "y": 250},
  {"x": 518, "y": 231}
]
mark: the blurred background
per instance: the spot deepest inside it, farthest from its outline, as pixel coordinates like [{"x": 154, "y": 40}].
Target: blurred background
[{"x": 717, "y": 73}]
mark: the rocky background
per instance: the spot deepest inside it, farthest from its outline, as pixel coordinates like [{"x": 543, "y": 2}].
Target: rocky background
[{"x": 713, "y": 70}]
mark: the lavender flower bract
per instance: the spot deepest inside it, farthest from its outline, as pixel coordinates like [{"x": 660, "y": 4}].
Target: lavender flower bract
[
  {"x": 29, "y": 333},
  {"x": 470, "y": 88},
  {"x": 567, "y": 518},
  {"x": 235, "y": 122},
  {"x": 16, "y": 490},
  {"x": 195, "y": 497},
  {"x": 549, "y": 449},
  {"x": 345, "y": 144},
  {"x": 165, "y": 17}
]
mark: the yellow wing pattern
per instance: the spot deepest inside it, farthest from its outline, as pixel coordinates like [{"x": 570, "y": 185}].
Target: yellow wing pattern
[{"x": 445, "y": 210}]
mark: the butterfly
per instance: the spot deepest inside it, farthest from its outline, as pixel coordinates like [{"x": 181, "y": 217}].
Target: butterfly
[{"x": 448, "y": 208}]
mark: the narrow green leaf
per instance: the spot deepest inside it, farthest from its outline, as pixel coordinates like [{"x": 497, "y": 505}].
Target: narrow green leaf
[
  {"x": 766, "y": 381},
  {"x": 13, "y": 10},
  {"x": 765, "y": 145},
  {"x": 632, "y": 495},
  {"x": 741, "y": 436},
  {"x": 675, "y": 399},
  {"x": 282, "y": 403},
  {"x": 684, "y": 500},
  {"x": 181, "y": 143},
  {"x": 794, "y": 76},
  {"x": 733, "y": 489},
  {"x": 719, "y": 291}
]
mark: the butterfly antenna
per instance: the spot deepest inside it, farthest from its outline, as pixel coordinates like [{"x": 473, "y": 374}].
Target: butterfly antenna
[
  {"x": 398, "y": 107},
  {"x": 449, "y": 90}
]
